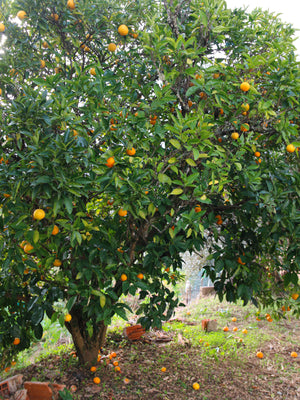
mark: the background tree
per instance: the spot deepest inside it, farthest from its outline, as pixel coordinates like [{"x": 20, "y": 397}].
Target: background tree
[{"x": 127, "y": 125}]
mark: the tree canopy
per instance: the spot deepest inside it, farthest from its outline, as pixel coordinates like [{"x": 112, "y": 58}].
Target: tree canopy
[{"x": 131, "y": 133}]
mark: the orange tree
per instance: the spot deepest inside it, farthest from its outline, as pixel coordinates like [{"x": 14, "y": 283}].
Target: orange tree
[{"x": 132, "y": 132}]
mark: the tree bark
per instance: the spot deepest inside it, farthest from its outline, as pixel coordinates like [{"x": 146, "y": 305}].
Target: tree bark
[{"x": 87, "y": 345}]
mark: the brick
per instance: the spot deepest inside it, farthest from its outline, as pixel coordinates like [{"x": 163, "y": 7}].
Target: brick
[
  {"x": 38, "y": 390},
  {"x": 11, "y": 384},
  {"x": 21, "y": 395}
]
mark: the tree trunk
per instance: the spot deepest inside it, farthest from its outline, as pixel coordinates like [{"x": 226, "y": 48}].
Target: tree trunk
[{"x": 87, "y": 345}]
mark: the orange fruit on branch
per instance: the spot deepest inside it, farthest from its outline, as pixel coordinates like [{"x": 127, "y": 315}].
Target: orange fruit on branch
[
  {"x": 16, "y": 341},
  {"x": 140, "y": 276},
  {"x": 55, "y": 230},
  {"x": 124, "y": 277},
  {"x": 110, "y": 162},
  {"x": 235, "y": 135},
  {"x": 112, "y": 47},
  {"x": 295, "y": 296},
  {"x": 245, "y": 86},
  {"x": 39, "y": 214},
  {"x": 123, "y": 30},
  {"x": 122, "y": 213},
  {"x": 290, "y": 148},
  {"x": 57, "y": 263},
  {"x": 68, "y": 317},
  {"x": 131, "y": 152},
  {"x": 71, "y": 4},
  {"x": 21, "y": 15},
  {"x": 2, "y": 27}
]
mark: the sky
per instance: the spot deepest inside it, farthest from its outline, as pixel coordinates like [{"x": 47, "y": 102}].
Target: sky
[{"x": 289, "y": 10}]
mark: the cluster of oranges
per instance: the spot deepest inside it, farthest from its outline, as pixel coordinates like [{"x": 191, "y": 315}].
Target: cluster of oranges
[
  {"x": 111, "y": 359},
  {"x": 219, "y": 220}
]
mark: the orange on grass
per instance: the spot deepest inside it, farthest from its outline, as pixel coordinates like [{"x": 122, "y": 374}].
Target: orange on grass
[
  {"x": 57, "y": 263},
  {"x": 71, "y": 4},
  {"x": 97, "y": 380},
  {"x": 115, "y": 363},
  {"x": 245, "y": 86},
  {"x": 112, "y": 47},
  {"x": 140, "y": 276},
  {"x": 163, "y": 369},
  {"x": 16, "y": 341},
  {"x": 123, "y": 277},
  {"x": 21, "y": 15},
  {"x": 235, "y": 135},
  {"x": 235, "y": 329},
  {"x": 257, "y": 154},
  {"x": 55, "y": 230},
  {"x": 110, "y": 162},
  {"x": 123, "y": 30},
  {"x": 196, "y": 386},
  {"x": 122, "y": 213},
  {"x": 294, "y": 354},
  {"x": 131, "y": 152},
  {"x": 233, "y": 319},
  {"x": 39, "y": 214},
  {"x": 113, "y": 354},
  {"x": 117, "y": 369},
  {"x": 93, "y": 369},
  {"x": 68, "y": 317},
  {"x": 295, "y": 296},
  {"x": 225, "y": 329},
  {"x": 244, "y": 331},
  {"x": 259, "y": 354}
]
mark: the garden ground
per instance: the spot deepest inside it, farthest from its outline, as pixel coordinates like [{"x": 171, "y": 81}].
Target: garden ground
[{"x": 224, "y": 364}]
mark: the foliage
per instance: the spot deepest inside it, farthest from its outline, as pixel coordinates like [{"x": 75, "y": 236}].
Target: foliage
[{"x": 171, "y": 91}]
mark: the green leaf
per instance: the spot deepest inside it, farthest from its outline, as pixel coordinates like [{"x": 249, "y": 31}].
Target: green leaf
[
  {"x": 163, "y": 178},
  {"x": 68, "y": 204},
  {"x": 175, "y": 143},
  {"x": 102, "y": 300},
  {"x": 71, "y": 302},
  {"x": 36, "y": 236},
  {"x": 176, "y": 192},
  {"x": 191, "y": 162}
]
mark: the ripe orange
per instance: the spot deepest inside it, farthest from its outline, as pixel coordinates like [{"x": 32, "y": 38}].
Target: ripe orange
[
  {"x": 225, "y": 329},
  {"x": 27, "y": 248},
  {"x": 16, "y": 341},
  {"x": 112, "y": 47},
  {"x": 140, "y": 276},
  {"x": 190, "y": 103},
  {"x": 55, "y": 17},
  {"x": 123, "y": 30},
  {"x": 233, "y": 319},
  {"x": 93, "y": 71},
  {"x": 295, "y": 296},
  {"x": 131, "y": 152},
  {"x": 71, "y": 4},
  {"x": 43, "y": 64},
  {"x": 235, "y": 329},
  {"x": 163, "y": 369},
  {"x": 198, "y": 208},
  {"x": 113, "y": 354},
  {"x": 259, "y": 354},
  {"x": 122, "y": 213},
  {"x": 196, "y": 386},
  {"x": 123, "y": 277},
  {"x": 235, "y": 135},
  {"x": 245, "y": 127},
  {"x": 96, "y": 380},
  {"x": 257, "y": 154},
  {"x": 2, "y": 27},
  {"x": 216, "y": 76},
  {"x": 220, "y": 140},
  {"x": 55, "y": 230},
  {"x": 21, "y": 15},
  {"x": 244, "y": 331},
  {"x": 118, "y": 369},
  {"x": 68, "y": 317},
  {"x": 239, "y": 260},
  {"x": 39, "y": 214},
  {"x": 110, "y": 162},
  {"x": 245, "y": 86},
  {"x": 57, "y": 263},
  {"x": 45, "y": 45},
  {"x": 294, "y": 354},
  {"x": 245, "y": 106},
  {"x": 93, "y": 369},
  {"x": 115, "y": 363},
  {"x": 290, "y": 148}
]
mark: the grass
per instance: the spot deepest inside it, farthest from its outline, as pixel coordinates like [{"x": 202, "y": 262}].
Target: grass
[{"x": 223, "y": 363}]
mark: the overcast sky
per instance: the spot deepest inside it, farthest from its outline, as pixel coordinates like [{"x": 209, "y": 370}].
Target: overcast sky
[{"x": 290, "y": 10}]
